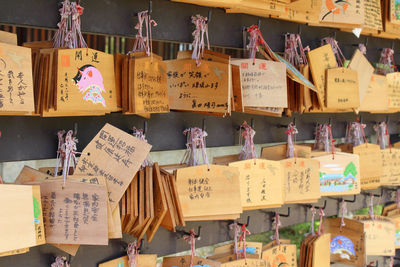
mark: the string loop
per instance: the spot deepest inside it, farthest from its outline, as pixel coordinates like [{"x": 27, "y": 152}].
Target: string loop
[{"x": 201, "y": 29}]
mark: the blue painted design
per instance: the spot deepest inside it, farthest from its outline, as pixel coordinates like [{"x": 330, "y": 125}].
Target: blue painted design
[
  {"x": 205, "y": 265},
  {"x": 336, "y": 182},
  {"x": 296, "y": 72},
  {"x": 249, "y": 250},
  {"x": 343, "y": 246}
]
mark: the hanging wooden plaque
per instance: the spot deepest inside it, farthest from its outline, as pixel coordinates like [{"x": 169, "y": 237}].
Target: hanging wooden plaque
[
  {"x": 17, "y": 226},
  {"x": 209, "y": 190},
  {"x": 321, "y": 251},
  {"x": 301, "y": 180},
  {"x": 370, "y": 173},
  {"x": 364, "y": 70},
  {"x": 339, "y": 174},
  {"x": 75, "y": 214},
  {"x": 261, "y": 183},
  {"x": 279, "y": 152},
  {"x": 115, "y": 155},
  {"x": 379, "y": 235},
  {"x": 143, "y": 260},
  {"x": 390, "y": 166},
  {"x": 281, "y": 255},
  {"x": 321, "y": 59},
  {"x": 150, "y": 86},
  {"x": 198, "y": 88},
  {"x": 393, "y": 81},
  {"x": 184, "y": 261},
  {"x": 348, "y": 243},
  {"x": 342, "y": 88},
  {"x": 350, "y": 13},
  {"x": 376, "y": 97},
  {"x": 85, "y": 81},
  {"x": 16, "y": 92},
  {"x": 263, "y": 82}
]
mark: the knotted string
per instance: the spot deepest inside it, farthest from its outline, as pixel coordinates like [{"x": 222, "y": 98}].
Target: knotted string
[
  {"x": 291, "y": 144},
  {"x": 248, "y": 151},
  {"x": 332, "y": 141},
  {"x": 294, "y": 51},
  {"x": 245, "y": 232},
  {"x": 201, "y": 29},
  {"x": 253, "y": 42},
  {"x": 191, "y": 239},
  {"x": 318, "y": 144},
  {"x": 70, "y": 153},
  {"x": 391, "y": 261},
  {"x": 362, "y": 48},
  {"x": 277, "y": 224},
  {"x": 321, "y": 215},
  {"x": 236, "y": 229},
  {"x": 196, "y": 140},
  {"x": 313, "y": 212},
  {"x": 340, "y": 59},
  {"x": 139, "y": 133},
  {"x": 371, "y": 206},
  {"x": 60, "y": 262},
  {"x": 355, "y": 134},
  {"x": 386, "y": 62},
  {"x": 380, "y": 132},
  {"x": 60, "y": 151},
  {"x": 343, "y": 212},
  {"x": 133, "y": 253},
  {"x": 144, "y": 44},
  {"x": 69, "y": 33}
]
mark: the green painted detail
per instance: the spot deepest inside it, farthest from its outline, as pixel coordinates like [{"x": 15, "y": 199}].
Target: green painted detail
[
  {"x": 350, "y": 169},
  {"x": 36, "y": 209},
  {"x": 321, "y": 174}
]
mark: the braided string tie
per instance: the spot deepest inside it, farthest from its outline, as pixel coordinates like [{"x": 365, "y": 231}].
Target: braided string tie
[
  {"x": 191, "y": 239},
  {"x": 60, "y": 262},
  {"x": 201, "y": 30},
  {"x": 248, "y": 150},
  {"x": 133, "y": 253}
]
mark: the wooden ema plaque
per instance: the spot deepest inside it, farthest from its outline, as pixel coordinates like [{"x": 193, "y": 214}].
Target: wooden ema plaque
[
  {"x": 348, "y": 244},
  {"x": 85, "y": 81},
  {"x": 18, "y": 230},
  {"x": 263, "y": 82},
  {"x": 281, "y": 255},
  {"x": 342, "y": 90},
  {"x": 370, "y": 165},
  {"x": 339, "y": 175},
  {"x": 390, "y": 166},
  {"x": 261, "y": 183},
  {"x": 184, "y": 261},
  {"x": 301, "y": 180},
  {"x": 208, "y": 192},
  {"x": 143, "y": 260},
  {"x": 379, "y": 235},
  {"x": 199, "y": 88},
  {"x": 279, "y": 152},
  {"x": 16, "y": 92}
]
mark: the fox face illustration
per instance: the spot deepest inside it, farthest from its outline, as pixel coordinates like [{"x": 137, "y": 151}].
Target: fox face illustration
[{"x": 90, "y": 82}]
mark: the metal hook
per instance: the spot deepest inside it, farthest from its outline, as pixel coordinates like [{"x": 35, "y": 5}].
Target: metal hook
[
  {"x": 252, "y": 123},
  {"x": 145, "y": 127},
  {"x": 75, "y": 129},
  {"x": 183, "y": 233},
  {"x": 283, "y": 215},
  {"x": 393, "y": 45},
  {"x": 330, "y": 121},
  {"x": 375, "y": 195},
  {"x": 150, "y": 7},
  {"x": 345, "y": 200},
  {"x": 204, "y": 125},
  {"x": 209, "y": 16},
  {"x": 299, "y": 29},
  {"x": 240, "y": 224},
  {"x": 259, "y": 24},
  {"x": 317, "y": 207},
  {"x": 366, "y": 41}
]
